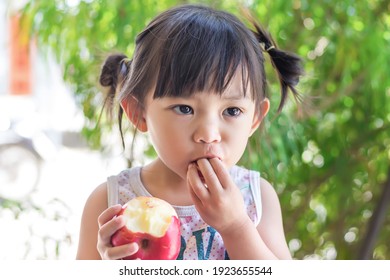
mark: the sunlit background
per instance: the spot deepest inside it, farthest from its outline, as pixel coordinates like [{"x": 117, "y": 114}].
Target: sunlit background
[
  {"x": 328, "y": 158},
  {"x": 46, "y": 169}
]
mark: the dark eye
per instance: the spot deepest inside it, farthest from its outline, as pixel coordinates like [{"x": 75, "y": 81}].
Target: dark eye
[
  {"x": 183, "y": 109},
  {"x": 232, "y": 112}
]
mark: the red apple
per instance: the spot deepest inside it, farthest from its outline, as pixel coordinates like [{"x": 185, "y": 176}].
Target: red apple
[{"x": 153, "y": 224}]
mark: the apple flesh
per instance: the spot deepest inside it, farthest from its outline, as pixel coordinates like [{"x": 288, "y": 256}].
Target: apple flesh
[{"x": 153, "y": 224}]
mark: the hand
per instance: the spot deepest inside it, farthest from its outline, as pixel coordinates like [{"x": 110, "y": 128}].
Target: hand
[
  {"x": 217, "y": 199},
  {"x": 109, "y": 223}
]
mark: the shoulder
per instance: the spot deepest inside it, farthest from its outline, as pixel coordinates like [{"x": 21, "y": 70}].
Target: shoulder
[
  {"x": 270, "y": 202},
  {"x": 98, "y": 197},
  {"x": 268, "y": 192},
  {"x": 96, "y": 203}
]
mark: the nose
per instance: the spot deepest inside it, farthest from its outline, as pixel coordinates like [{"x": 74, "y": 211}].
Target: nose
[{"x": 207, "y": 133}]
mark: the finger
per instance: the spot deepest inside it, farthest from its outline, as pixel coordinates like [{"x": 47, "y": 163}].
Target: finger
[
  {"x": 221, "y": 172},
  {"x": 194, "y": 197},
  {"x": 209, "y": 175},
  {"x": 121, "y": 251},
  {"x": 109, "y": 228},
  {"x": 199, "y": 205},
  {"x": 195, "y": 183},
  {"x": 108, "y": 214}
]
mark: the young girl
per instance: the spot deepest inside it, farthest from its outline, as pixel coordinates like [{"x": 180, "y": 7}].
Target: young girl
[{"x": 196, "y": 84}]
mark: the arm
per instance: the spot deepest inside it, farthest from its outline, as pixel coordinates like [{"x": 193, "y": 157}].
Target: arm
[
  {"x": 271, "y": 224},
  {"x": 241, "y": 238},
  {"x": 98, "y": 224},
  {"x": 94, "y": 206}
]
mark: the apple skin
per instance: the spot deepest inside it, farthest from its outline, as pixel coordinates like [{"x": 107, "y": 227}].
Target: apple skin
[{"x": 151, "y": 247}]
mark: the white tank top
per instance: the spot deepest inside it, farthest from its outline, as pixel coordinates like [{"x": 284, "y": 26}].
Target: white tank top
[{"x": 199, "y": 241}]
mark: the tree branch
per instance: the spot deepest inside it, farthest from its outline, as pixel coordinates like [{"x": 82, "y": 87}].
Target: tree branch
[{"x": 376, "y": 222}]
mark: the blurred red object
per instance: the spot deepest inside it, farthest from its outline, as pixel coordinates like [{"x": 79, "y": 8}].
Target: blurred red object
[{"x": 20, "y": 61}]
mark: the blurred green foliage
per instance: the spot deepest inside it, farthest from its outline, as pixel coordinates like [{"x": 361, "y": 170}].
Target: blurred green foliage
[{"x": 327, "y": 157}]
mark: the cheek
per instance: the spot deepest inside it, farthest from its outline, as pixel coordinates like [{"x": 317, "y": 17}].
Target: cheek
[
  {"x": 238, "y": 140},
  {"x": 167, "y": 140},
  {"x": 160, "y": 138},
  {"x": 239, "y": 144}
]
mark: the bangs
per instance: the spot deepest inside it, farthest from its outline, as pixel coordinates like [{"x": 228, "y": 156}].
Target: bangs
[
  {"x": 190, "y": 50},
  {"x": 204, "y": 56}
]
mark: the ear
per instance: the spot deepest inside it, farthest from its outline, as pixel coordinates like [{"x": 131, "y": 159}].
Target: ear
[
  {"x": 135, "y": 113},
  {"x": 260, "y": 115}
]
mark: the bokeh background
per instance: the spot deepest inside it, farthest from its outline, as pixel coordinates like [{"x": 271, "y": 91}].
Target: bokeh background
[{"x": 327, "y": 156}]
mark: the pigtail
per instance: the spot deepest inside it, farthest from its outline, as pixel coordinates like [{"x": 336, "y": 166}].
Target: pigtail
[
  {"x": 114, "y": 71},
  {"x": 287, "y": 65}
]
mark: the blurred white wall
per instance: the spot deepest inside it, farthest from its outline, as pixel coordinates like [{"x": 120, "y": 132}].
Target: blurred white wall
[
  {"x": 67, "y": 179},
  {"x": 3, "y": 48},
  {"x": 51, "y": 101}
]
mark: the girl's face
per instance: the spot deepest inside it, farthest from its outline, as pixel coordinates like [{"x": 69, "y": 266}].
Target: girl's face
[{"x": 204, "y": 125}]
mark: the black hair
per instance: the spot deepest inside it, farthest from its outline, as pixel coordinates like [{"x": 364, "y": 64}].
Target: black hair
[{"x": 193, "y": 48}]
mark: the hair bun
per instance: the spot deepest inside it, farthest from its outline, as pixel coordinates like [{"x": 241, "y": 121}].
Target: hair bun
[{"x": 110, "y": 70}]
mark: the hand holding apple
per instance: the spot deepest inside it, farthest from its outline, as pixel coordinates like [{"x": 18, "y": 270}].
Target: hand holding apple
[
  {"x": 153, "y": 224},
  {"x": 109, "y": 222}
]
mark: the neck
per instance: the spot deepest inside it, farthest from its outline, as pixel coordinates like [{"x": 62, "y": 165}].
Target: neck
[{"x": 162, "y": 182}]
